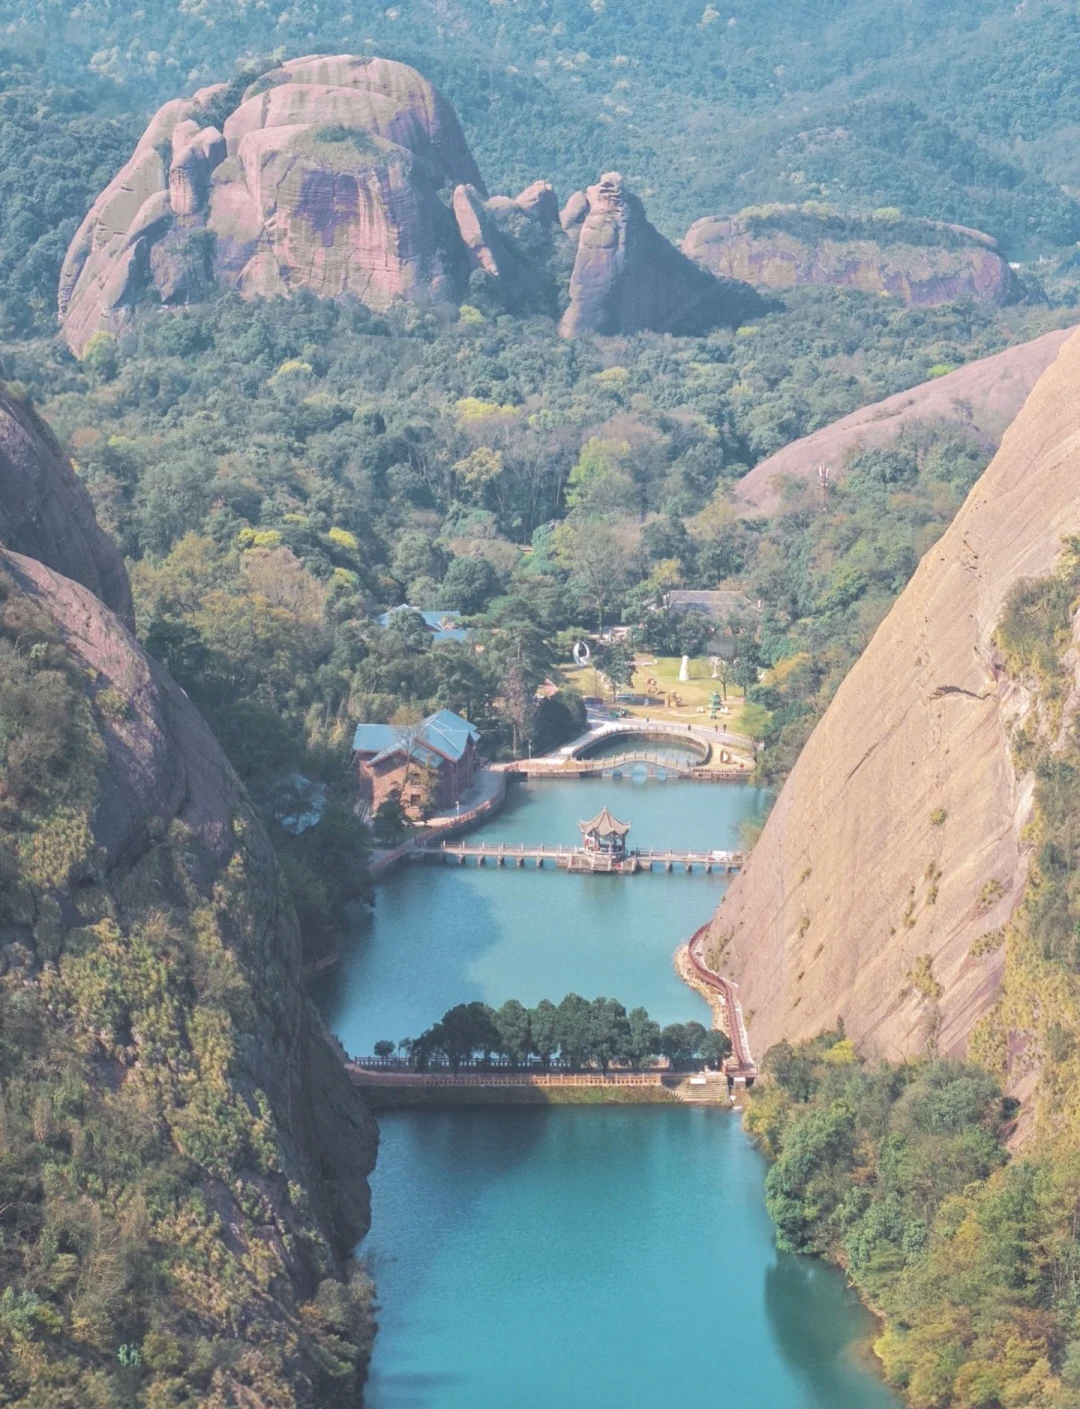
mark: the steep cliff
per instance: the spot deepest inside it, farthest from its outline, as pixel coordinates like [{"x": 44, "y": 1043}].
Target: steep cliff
[
  {"x": 184, "y": 1158},
  {"x": 46, "y": 513},
  {"x": 983, "y": 397},
  {"x": 326, "y": 176},
  {"x": 897, "y": 844},
  {"x": 920, "y": 262},
  {"x": 330, "y": 174},
  {"x": 627, "y": 278}
]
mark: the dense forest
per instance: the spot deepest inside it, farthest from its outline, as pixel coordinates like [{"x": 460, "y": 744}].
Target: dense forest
[
  {"x": 279, "y": 472},
  {"x": 955, "y": 112}
]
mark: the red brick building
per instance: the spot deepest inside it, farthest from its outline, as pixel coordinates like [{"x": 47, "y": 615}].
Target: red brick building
[{"x": 428, "y": 766}]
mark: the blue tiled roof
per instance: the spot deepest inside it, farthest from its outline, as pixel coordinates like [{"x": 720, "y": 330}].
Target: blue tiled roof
[
  {"x": 373, "y": 738},
  {"x": 449, "y": 733},
  {"x": 442, "y": 735},
  {"x": 436, "y": 622}
]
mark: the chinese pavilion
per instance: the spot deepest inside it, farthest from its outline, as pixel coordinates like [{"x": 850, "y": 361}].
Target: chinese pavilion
[{"x": 605, "y": 833}]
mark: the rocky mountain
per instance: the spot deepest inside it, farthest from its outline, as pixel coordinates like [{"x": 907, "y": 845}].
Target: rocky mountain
[
  {"x": 921, "y": 262},
  {"x": 351, "y": 177},
  {"x": 185, "y": 1158},
  {"x": 628, "y": 278},
  {"x": 982, "y": 397},
  {"x": 897, "y": 845},
  {"x": 46, "y": 512}
]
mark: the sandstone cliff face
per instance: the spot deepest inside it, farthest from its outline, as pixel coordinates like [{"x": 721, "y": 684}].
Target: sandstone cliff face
[
  {"x": 46, "y": 512},
  {"x": 897, "y": 841},
  {"x": 628, "y": 278},
  {"x": 325, "y": 177},
  {"x": 983, "y": 397},
  {"x": 765, "y": 254}
]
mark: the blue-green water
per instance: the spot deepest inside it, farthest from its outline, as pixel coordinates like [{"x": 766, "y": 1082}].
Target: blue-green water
[
  {"x": 612, "y": 1258},
  {"x": 577, "y": 1258},
  {"x": 668, "y": 749}
]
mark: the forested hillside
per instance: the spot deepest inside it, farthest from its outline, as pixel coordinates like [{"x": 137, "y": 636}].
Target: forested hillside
[
  {"x": 279, "y": 471},
  {"x": 961, "y": 112}
]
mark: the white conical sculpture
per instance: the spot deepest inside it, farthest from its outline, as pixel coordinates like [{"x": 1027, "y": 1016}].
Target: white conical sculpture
[{"x": 684, "y": 669}]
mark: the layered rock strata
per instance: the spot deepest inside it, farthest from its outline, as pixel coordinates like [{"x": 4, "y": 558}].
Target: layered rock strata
[{"x": 897, "y": 843}]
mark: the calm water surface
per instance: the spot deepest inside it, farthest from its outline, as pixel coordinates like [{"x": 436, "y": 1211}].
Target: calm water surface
[{"x": 562, "y": 1258}]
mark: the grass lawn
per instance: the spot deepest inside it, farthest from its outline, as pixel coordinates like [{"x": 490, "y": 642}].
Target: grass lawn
[{"x": 694, "y": 694}]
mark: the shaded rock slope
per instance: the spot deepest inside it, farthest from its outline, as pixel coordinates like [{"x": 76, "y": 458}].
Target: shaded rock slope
[
  {"x": 46, "y": 512},
  {"x": 897, "y": 841},
  {"x": 627, "y": 277},
  {"x": 984, "y": 397},
  {"x": 920, "y": 262},
  {"x": 170, "y": 1102},
  {"x": 351, "y": 177}
]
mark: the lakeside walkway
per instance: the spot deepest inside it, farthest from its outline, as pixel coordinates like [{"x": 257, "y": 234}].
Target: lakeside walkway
[
  {"x": 386, "y": 1085},
  {"x": 740, "y": 1065}
]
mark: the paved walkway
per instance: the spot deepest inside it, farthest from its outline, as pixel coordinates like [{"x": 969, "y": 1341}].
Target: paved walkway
[{"x": 741, "y": 1063}]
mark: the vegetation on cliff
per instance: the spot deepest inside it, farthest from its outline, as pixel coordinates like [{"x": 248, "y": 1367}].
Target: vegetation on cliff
[
  {"x": 156, "y": 1247},
  {"x": 900, "y": 1172}
]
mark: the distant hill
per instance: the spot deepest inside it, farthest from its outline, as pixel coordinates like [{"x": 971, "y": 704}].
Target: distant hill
[
  {"x": 984, "y": 397},
  {"x": 952, "y": 112},
  {"x": 921, "y": 262}
]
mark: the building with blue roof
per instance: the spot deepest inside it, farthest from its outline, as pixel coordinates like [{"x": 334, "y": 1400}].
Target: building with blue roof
[
  {"x": 427, "y": 766},
  {"x": 444, "y": 626}
]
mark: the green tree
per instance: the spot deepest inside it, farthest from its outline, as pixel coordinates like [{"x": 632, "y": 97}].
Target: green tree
[
  {"x": 675, "y": 1044},
  {"x": 515, "y": 1033},
  {"x": 608, "y": 1031},
  {"x": 715, "y": 1048},
  {"x": 617, "y": 663},
  {"x": 643, "y": 1037},
  {"x": 574, "y": 1027},
  {"x": 544, "y": 1029}
]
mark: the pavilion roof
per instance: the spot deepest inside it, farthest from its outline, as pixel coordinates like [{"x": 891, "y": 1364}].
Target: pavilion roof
[{"x": 605, "y": 825}]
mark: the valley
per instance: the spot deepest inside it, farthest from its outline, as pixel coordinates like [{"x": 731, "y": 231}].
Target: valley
[{"x": 539, "y": 551}]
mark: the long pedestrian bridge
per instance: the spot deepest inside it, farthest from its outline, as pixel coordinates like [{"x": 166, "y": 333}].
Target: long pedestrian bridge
[{"x": 579, "y": 859}]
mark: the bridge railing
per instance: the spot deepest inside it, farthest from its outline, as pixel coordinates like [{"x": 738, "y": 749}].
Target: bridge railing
[{"x": 377, "y": 1076}]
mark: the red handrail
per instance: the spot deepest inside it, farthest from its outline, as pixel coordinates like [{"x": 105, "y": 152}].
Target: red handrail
[{"x": 740, "y": 1043}]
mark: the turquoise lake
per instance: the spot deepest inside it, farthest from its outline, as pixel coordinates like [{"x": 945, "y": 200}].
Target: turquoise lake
[{"x": 577, "y": 1258}]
